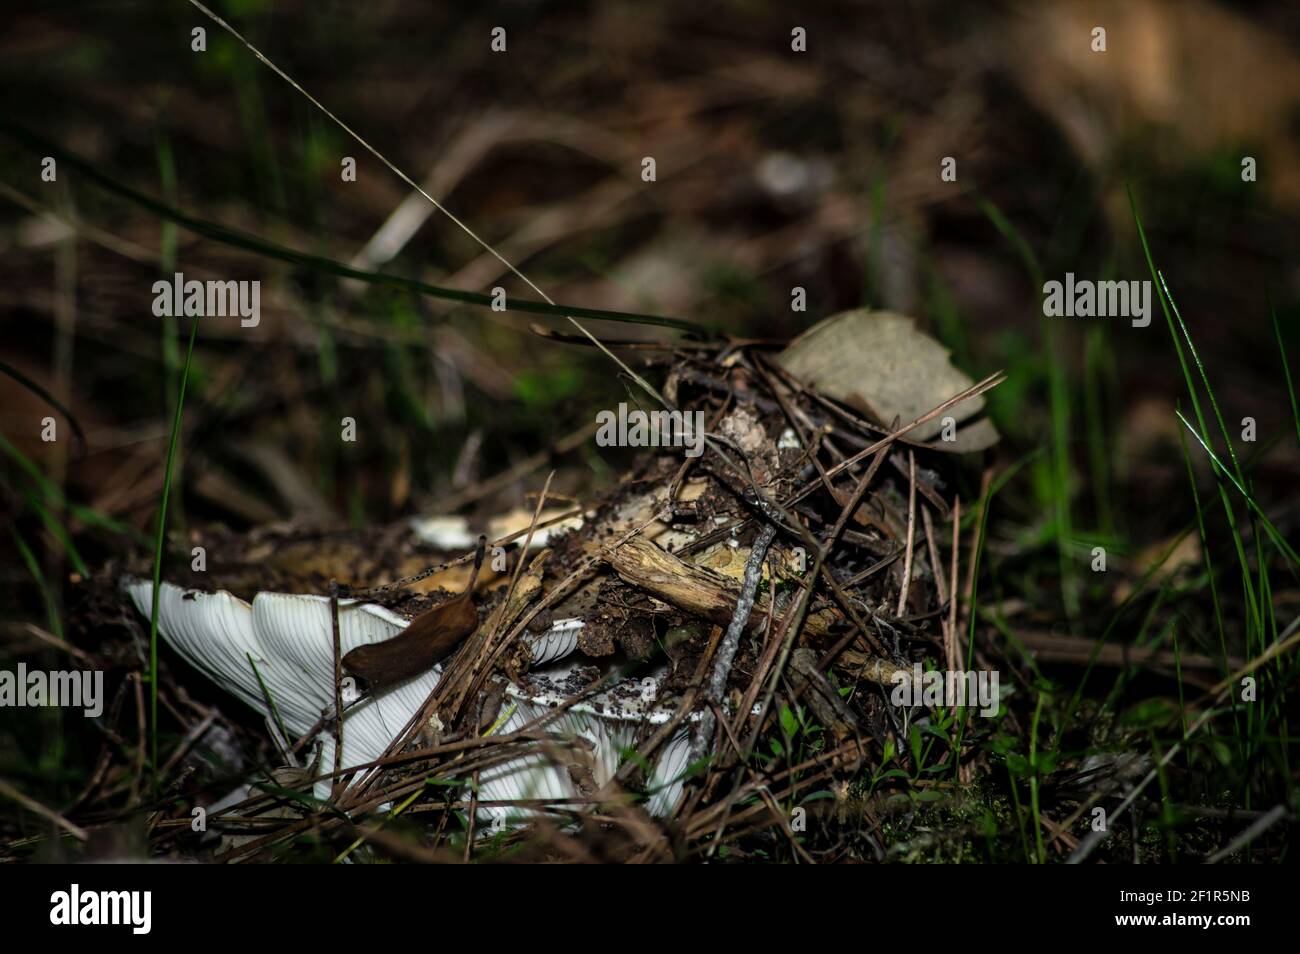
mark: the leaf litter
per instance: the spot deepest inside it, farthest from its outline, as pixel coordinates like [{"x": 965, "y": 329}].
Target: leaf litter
[{"x": 802, "y": 539}]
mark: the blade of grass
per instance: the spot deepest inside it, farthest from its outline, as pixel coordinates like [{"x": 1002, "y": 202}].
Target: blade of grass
[
  {"x": 34, "y": 568},
  {"x": 1041, "y": 852},
  {"x": 171, "y": 345},
  {"x": 270, "y": 702},
  {"x": 1165, "y": 308},
  {"x": 260, "y": 246},
  {"x": 173, "y": 442},
  {"x": 1278, "y": 540},
  {"x": 1286, "y": 369},
  {"x": 1095, "y": 353},
  {"x": 10, "y": 371},
  {"x": 392, "y": 167},
  {"x": 1059, "y": 410},
  {"x": 1211, "y": 578},
  {"x": 59, "y": 532},
  {"x": 980, "y": 539},
  {"x": 52, "y": 491},
  {"x": 1205, "y": 378}
]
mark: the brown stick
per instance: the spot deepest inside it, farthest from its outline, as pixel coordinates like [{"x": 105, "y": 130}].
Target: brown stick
[
  {"x": 338, "y": 688},
  {"x": 911, "y": 534},
  {"x": 702, "y": 738},
  {"x": 950, "y": 640},
  {"x": 696, "y": 589}
]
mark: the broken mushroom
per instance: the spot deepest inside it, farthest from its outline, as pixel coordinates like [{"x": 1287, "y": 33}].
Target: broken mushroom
[{"x": 276, "y": 654}]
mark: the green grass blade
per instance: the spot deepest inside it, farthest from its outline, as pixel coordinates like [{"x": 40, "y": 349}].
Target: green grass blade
[
  {"x": 52, "y": 491},
  {"x": 172, "y": 443},
  {"x": 270, "y": 700},
  {"x": 1205, "y": 379},
  {"x": 34, "y": 568},
  {"x": 59, "y": 532},
  {"x": 260, "y": 246},
  {"x": 1286, "y": 369},
  {"x": 1271, "y": 530},
  {"x": 9, "y": 370},
  {"x": 1165, "y": 308},
  {"x": 1059, "y": 409}
]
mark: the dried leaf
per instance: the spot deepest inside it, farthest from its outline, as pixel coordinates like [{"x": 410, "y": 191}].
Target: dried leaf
[
  {"x": 880, "y": 363},
  {"x": 427, "y": 641}
]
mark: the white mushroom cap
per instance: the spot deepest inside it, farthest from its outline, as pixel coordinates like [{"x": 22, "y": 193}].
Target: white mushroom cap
[
  {"x": 453, "y": 532},
  {"x": 610, "y": 720},
  {"x": 634, "y": 700},
  {"x": 289, "y": 639},
  {"x": 444, "y": 532},
  {"x": 557, "y": 642},
  {"x": 539, "y": 776}
]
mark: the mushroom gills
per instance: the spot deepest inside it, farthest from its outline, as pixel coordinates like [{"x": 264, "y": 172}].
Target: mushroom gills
[{"x": 277, "y": 656}]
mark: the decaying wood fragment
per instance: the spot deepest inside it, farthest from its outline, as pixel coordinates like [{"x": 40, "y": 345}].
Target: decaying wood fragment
[
  {"x": 696, "y": 589},
  {"x": 873, "y": 668},
  {"x": 711, "y": 595},
  {"x": 526, "y": 590}
]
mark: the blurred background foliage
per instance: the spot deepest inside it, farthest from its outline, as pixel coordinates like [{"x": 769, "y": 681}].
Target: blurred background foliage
[{"x": 774, "y": 169}]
